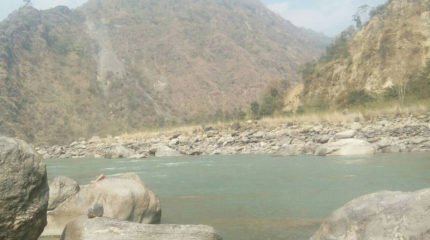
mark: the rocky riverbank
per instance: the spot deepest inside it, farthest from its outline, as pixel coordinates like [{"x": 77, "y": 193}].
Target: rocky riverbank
[{"x": 383, "y": 134}]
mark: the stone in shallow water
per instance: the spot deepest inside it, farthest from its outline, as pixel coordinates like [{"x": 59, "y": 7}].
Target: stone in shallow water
[
  {"x": 382, "y": 216},
  {"x": 112, "y": 229},
  {"x": 118, "y": 152},
  {"x": 346, "y": 147},
  {"x": 165, "y": 151},
  {"x": 23, "y": 191}
]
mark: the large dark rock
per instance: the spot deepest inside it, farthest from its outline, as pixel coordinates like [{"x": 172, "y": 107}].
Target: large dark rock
[
  {"x": 382, "y": 216},
  {"x": 23, "y": 191},
  {"x": 60, "y": 189},
  {"x": 112, "y": 229},
  {"x": 124, "y": 198}
]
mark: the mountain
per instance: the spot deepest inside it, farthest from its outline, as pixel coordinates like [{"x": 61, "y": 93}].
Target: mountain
[
  {"x": 388, "y": 56},
  {"x": 112, "y": 66}
]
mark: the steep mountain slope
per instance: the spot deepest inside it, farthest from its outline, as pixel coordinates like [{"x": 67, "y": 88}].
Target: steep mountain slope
[
  {"x": 115, "y": 65},
  {"x": 388, "y": 52},
  {"x": 46, "y": 76}
]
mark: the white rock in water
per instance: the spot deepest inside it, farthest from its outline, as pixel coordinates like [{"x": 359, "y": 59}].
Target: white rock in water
[
  {"x": 165, "y": 151},
  {"x": 346, "y": 147}
]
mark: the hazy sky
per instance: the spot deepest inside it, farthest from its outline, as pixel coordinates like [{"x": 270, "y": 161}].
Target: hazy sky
[{"x": 326, "y": 16}]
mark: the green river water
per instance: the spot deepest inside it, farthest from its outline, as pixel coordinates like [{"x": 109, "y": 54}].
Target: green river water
[{"x": 258, "y": 197}]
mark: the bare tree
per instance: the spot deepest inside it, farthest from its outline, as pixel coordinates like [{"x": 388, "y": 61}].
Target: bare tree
[
  {"x": 27, "y": 3},
  {"x": 402, "y": 88},
  {"x": 401, "y": 92},
  {"x": 357, "y": 20},
  {"x": 361, "y": 16}
]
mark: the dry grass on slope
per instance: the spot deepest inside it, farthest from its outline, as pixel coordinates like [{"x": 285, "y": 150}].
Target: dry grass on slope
[{"x": 345, "y": 116}]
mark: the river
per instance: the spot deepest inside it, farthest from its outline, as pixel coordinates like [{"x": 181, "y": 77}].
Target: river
[{"x": 258, "y": 197}]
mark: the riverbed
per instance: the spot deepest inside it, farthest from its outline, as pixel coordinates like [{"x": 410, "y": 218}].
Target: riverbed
[{"x": 258, "y": 197}]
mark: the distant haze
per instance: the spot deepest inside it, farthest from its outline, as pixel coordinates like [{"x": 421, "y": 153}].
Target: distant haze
[{"x": 326, "y": 16}]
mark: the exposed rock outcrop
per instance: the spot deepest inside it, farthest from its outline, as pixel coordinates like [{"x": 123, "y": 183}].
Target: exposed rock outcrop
[
  {"x": 382, "y": 216},
  {"x": 123, "y": 198},
  {"x": 112, "y": 229},
  {"x": 23, "y": 191}
]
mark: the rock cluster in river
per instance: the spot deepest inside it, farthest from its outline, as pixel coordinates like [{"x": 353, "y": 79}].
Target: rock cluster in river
[
  {"x": 382, "y": 134},
  {"x": 125, "y": 198}
]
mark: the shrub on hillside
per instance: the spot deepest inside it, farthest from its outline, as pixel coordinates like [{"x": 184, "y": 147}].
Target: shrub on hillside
[
  {"x": 272, "y": 102},
  {"x": 359, "y": 97},
  {"x": 391, "y": 93},
  {"x": 355, "y": 98},
  {"x": 300, "y": 110},
  {"x": 379, "y": 9},
  {"x": 339, "y": 48},
  {"x": 419, "y": 86},
  {"x": 255, "y": 109}
]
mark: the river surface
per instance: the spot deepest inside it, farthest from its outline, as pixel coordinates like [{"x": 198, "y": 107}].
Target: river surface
[{"x": 258, "y": 197}]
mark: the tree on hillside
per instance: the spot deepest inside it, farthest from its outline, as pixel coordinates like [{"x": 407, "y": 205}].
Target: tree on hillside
[
  {"x": 339, "y": 47},
  {"x": 27, "y": 3},
  {"x": 361, "y": 16},
  {"x": 357, "y": 20},
  {"x": 255, "y": 109}
]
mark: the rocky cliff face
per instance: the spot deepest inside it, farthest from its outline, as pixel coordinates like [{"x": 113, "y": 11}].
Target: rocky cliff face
[
  {"x": 115, "y": 65},
  {"x": 388, "y": 51}
]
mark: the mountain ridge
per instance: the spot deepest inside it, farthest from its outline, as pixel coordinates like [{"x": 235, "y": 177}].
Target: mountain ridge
[
  {"x": 384, "y": 58},
  {"x": 116, "y": 65}
]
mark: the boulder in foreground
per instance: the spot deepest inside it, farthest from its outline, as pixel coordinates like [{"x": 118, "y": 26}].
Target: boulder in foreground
[
  {"x": 125, "y": 198},
  {"x": 23, "y": 191},
  {"x": 112, "y": 229},
  {"x": 382, "y": 216}
]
